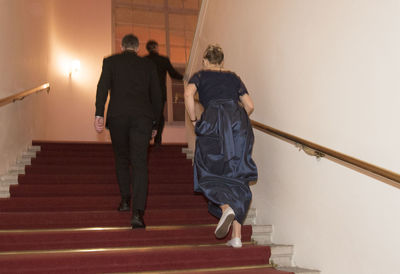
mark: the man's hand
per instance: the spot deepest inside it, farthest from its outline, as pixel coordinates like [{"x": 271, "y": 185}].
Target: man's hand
[
  {"x": 153, "y": 133},
  {"x": 99, "y": 124}
]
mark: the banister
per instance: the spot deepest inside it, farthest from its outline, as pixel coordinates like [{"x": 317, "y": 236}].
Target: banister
[
  {"x": 321, "y": 151},
  {"x": 21, "y": 95}
]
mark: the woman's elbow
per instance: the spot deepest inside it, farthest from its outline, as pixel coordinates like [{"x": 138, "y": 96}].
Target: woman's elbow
[
  {"x": 250, "y": 109},
  {"x": 187, "y": 94}
]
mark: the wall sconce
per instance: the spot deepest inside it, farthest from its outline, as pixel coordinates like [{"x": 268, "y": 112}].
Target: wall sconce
[{"x": 74, "y": 67}]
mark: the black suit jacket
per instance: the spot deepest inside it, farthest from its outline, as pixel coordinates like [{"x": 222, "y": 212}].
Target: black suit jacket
[
  {"x": 133, "y": 84},
  {"x": 164, "y": 66}
]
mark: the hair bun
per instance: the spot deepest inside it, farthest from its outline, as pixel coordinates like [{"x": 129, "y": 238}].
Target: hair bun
[
  {"x": 215, "y": 47},
  {"x": 214, "y": 54}
]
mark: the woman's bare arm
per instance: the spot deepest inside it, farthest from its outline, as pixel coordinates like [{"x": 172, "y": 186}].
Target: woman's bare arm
[
  {"x": 247, "y": 103},
  {"x": 190, "y": 91}
]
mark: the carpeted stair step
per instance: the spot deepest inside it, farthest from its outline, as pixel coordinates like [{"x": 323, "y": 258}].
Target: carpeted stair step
[
  {"x": 93, "y": 161},
  {"x": 79, "y": 219},
  {"x": 136, "y": 259},
  {"x": 108, "y": 148},
  {"x": 102, "y": 238},
  {"x": 97, "y": 179},
  {"x": 62, "y": 218},
  {"x": 59, "y": 190},
  {"x": 48, "y": 145},
  {"x": 106, "y": 154},
  {"x": 184, "y": 169},
  {"x": 87, "y": 203},
  {"x": 69, "y": 145}
]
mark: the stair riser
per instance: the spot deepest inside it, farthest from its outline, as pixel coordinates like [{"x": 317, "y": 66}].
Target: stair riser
[
  {"x": 105, "y": 154},
  {"x": 186, "y": 170},
  {"x": 140, "y": 261},
  {"x": 97, "y": 179},
  {"x": 107, "y": 239},
  {"x": 91, "y": 190},
  {"x": 111, "y": 218},
  {"x": 53, "y": 161},
  {"x": 86, "y": 203}
]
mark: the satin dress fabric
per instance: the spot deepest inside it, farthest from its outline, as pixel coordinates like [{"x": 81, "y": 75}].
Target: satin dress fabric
[{"x": 223, "y": 166}]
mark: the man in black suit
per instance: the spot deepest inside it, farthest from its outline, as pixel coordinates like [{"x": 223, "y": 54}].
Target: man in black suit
[
  {"x": 163, "y": 66},
  {"x": 134, "y": 108}
]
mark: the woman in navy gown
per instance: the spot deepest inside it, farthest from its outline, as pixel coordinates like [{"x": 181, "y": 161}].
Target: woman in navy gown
[{"x": 223, "y": 166}]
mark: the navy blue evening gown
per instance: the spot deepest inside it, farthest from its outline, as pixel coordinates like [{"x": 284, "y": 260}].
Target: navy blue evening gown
[{"x": 223, "y": 166}]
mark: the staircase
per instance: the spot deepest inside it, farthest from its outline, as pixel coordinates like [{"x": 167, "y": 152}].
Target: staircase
[{"x": 62, "y": 218}]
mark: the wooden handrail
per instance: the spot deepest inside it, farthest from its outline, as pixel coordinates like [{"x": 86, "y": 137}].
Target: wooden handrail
[
  {"x": 320, "y": 151},
  {"x": 21, "y": 95}
]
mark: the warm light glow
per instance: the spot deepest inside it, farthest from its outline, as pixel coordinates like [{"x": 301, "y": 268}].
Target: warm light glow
[
  {"x": 69, "y": 67},
  {"x": 74, "y": 67}
]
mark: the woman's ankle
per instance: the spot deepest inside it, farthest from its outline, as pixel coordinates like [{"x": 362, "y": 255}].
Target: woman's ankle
[
  {"x": 236, "y": 230},
  {"x": 224, "y": 207},
  {"x": 236, "y": 235}
]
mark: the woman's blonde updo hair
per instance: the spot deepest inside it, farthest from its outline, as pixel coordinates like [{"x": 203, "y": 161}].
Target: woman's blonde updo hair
[{"x": 214, "y": 54}]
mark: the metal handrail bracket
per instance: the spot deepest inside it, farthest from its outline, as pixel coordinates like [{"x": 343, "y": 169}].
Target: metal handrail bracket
[{"x": 321, "y": 151}]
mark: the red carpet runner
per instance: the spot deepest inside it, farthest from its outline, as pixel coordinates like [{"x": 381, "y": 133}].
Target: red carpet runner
[{"x": 62, "y": 218}]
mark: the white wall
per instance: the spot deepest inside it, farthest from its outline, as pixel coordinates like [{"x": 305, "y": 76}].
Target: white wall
[
  {"x": 326, "y": 71},
  {"x": 24, "y": 61}
]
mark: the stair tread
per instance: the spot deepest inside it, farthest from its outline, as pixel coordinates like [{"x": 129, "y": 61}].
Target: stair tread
[
  {"x": 124, "y": 237},
  {"x": 13, "y": 220},
  {"x": 85, "y": 203},
  {"x": 92, "y": 189},
  {"x": 140, "y": 259}
]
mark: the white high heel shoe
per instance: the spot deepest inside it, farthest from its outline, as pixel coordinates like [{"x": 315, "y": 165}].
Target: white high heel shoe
[
  {"x": 235, "y": 242},
  {"x": 225, "y": 223}
]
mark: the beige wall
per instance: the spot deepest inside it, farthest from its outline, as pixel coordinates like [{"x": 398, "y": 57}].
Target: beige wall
[
  {"x": 80, "y": 30},
  {"x": 42, "y": 38},
  {"x": 326, "y": 71},
  {"x": 24, "y": 62}
]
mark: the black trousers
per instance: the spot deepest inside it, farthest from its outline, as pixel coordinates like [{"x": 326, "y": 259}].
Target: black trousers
[
  {"x": 130, "y": 140},
  {"x": 160, "y": 128}
]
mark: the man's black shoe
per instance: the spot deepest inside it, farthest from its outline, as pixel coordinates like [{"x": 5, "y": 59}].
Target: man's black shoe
[
  {"x": 124, "y": 205},
  {"x": 137, "y": 219}
]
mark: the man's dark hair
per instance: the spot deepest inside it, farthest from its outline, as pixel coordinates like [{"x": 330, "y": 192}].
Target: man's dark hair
[
  {"x": 151, "y": 45},
  {"x": 130, "y": 41}
]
